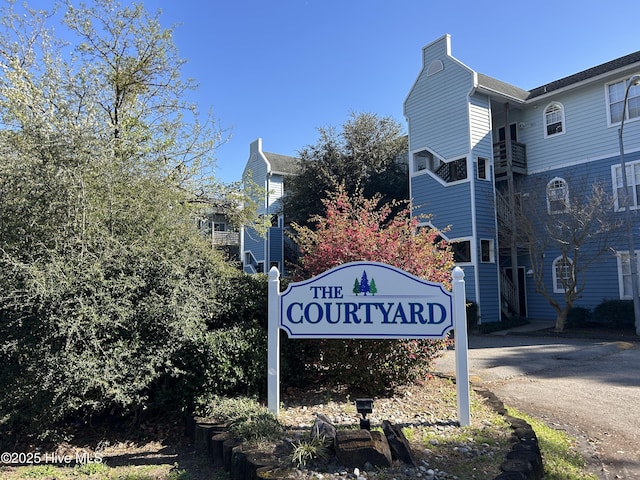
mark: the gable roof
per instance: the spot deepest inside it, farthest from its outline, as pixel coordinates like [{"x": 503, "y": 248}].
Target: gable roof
[
  {"x": 282, "y": 164},
  {"x": 502, "y": 88}
]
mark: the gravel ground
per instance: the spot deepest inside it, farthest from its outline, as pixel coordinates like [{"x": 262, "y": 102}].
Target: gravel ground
[{"x": 427, "y": 412}]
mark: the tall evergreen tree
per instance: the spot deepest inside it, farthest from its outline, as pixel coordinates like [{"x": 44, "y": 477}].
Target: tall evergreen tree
[{"x": 367, "y": 154}]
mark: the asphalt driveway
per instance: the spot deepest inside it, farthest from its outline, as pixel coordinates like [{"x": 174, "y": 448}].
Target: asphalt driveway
[{"x": 589, "y": 388}]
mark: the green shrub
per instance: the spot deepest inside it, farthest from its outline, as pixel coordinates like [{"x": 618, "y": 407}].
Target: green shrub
[
  {"x": 245, "y": 417},
  {"x": 616, "y": 313},
  {"x": 368, "y": 366},
  {"x": 578, "y": 317},
  {"x": 306, "y": 451},
  {"x": 226, "y": 361},
  {"x": 112, "y": 333},
  {"x": 240, "y": 298}
]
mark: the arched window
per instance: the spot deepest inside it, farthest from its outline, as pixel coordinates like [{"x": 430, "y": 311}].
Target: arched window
[
  {"x": 562, "y": 275},
  {"x": 553, "y": 119},
  {"x": 557, "y": 196}
]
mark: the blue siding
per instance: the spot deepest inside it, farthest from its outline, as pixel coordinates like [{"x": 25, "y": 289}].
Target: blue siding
[
  {"x": 448, "y": 205},
  {"x": 450, "y": 118},
  {"x": 602, "y": 276},
  {"x": 487, "y": 273},
  {"x": 276, "y": 247},
  {"x": 587, "y": 136},
  {"x": 254, "y": 243},
  {"x": 440, "y": 121}
]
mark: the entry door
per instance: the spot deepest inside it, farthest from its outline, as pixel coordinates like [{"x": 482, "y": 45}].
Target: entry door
[{"x": 522, "y": 292}]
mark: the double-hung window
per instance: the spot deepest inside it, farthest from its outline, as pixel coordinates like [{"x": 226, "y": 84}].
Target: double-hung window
[
  {"x": 624, "y": 271},
  {"x": 633, "y": 183},
  {"x": 615, "y": 94}
]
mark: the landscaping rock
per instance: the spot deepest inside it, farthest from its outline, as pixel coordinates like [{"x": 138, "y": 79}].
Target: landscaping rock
[
  {"x": 216, "y": 447},
  {"x": 203, "y": 434},
  {"x": 354, "y": 448},
  {"x": 323, "y": 428},
  {"x": 398, "y": 443},
  {"x": 517, "y": 465}
]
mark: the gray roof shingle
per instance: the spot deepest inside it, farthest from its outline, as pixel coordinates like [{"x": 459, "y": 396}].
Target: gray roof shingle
[
  {"x": 283, "y": 164},
  {"x": 586, "y": 74},
  {"x": 506, "y": 89}
]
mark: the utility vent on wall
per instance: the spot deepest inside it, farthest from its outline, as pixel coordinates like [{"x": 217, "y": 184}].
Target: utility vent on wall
[{"x": 435, "y": 67}]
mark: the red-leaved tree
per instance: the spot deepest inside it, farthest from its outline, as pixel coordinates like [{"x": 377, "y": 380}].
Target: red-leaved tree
[
  {"x": 357, "y": 228},
  {"x": 354, "y": 229}
]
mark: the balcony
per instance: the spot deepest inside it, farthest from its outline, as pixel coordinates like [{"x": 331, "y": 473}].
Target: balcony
[
  {"x": 518, "y": 158},
  {"x": 226, "y": 238}
]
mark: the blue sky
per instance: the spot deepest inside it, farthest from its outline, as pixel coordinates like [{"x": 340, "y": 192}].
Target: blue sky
[{"x": 279, "y": 69}]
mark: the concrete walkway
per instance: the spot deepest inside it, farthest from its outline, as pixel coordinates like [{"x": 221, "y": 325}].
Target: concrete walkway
[{"x": 532, "y": 326}]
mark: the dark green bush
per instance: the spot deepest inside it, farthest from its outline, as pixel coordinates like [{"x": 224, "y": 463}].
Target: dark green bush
[
  {"x": 578, "y": 317},
  {"x": 240, "y": 298},
  {"x": 366, "y": 366},
  {"x": 616, "y": 313},
  {"x": 113, "y": 333}
]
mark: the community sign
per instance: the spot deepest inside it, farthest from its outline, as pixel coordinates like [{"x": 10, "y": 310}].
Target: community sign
[{"x": 366, "y": 300}]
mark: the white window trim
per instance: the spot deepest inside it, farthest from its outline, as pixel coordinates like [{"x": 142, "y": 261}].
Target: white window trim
[
  {"x": 412, "y": 162},
  {"x": 471, "y": 249},
  {"x": 619, "y": 255},
  {"x": 562, "y": 120},
  {"x": 426, "y": 171},
  {"x": 487, "y": 169},
  {"x": 615, "y": 186},
  {"x": 608, "y": 103},
  {"x": 492, "y": 252},
  {"x": 566, "y": 196},
  {"x": 557, "y": 288}
]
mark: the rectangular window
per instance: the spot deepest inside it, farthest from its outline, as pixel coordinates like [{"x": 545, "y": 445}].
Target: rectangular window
[
  {"x": 633, "y": 182},
  {"x": 483, "y": 168},
  {"x": 615, "y": 94},
  {"x": 624, "y": 274},
  {"x": 420, "y": 160},
  {"x": 486, "y": 251},
  {"x": 461, "y": 251}
]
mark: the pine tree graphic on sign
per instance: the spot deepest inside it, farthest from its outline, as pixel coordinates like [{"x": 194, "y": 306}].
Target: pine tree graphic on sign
[
  {"x": 372, "y": 287},
  {"x": 364, "y": 284},
  {"x": 356, "y": 287}
]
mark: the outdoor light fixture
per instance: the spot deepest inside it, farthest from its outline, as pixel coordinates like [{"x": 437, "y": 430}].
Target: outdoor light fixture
[{"x": 364, "y": 406}]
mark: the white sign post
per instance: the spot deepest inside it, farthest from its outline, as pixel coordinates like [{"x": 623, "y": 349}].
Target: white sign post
[{"x": 368, "y": 300}]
